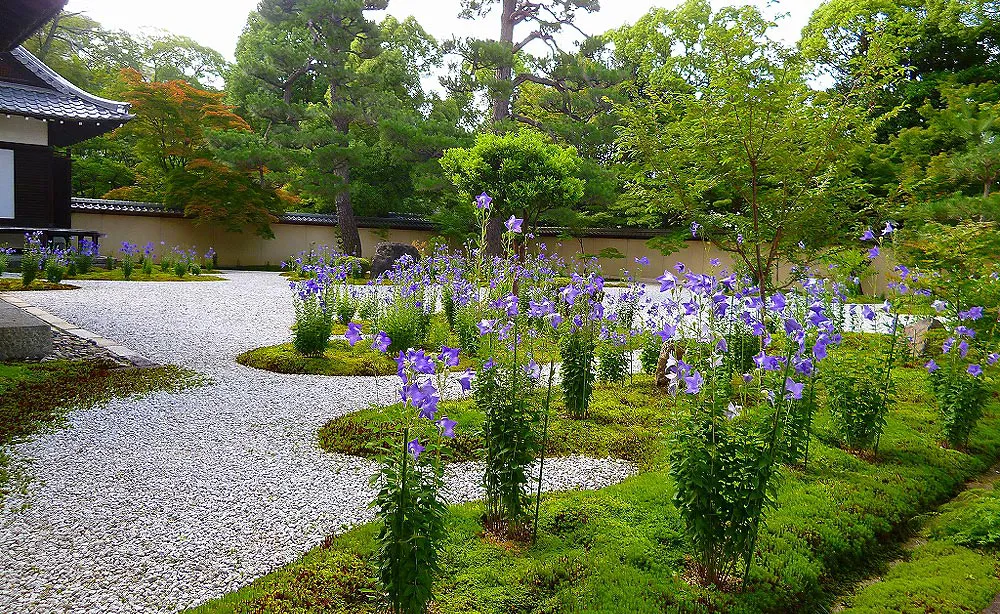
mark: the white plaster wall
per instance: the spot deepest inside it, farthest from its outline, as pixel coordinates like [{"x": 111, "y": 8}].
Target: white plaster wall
[{"x": 26, "y": 130}]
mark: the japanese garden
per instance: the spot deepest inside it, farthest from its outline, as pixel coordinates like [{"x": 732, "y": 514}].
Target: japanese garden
[{"x": 696, "y": 312}]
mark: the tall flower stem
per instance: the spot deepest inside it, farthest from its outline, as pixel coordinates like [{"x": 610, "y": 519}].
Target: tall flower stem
[
  {"x": 772, "y": 445},
  {"x": 888, "y": 375},
  {"x": 541, "y": 459}
]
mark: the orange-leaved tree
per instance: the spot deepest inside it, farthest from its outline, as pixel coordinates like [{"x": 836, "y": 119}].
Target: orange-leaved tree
[{"x": 170, "y": 136}]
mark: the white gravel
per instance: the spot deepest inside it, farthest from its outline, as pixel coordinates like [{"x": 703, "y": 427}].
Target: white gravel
[{"x": 159, "y": 504}]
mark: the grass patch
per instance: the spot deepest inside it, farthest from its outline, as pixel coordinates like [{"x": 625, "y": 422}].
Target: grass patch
[
  {"x": 138, "y": 275},
  {"x": 623, "y": 425},
  {"x": 622, "y": 549},
  {"x": 955, "y": 566},
  {"x": 10, "y": 284},
  {"x": 36, "y": 396}
]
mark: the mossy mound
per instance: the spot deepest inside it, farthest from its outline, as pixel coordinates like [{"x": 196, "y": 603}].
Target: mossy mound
[
  {"x": 620, "y": 425},
  {"x": 339, "y": 359}
]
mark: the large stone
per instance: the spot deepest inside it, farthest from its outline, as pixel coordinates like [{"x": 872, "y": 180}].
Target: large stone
[
  {"x": 386, "y": 254},
  {"x": 918, "y": 334},
  {"x": 22, "y": 335}
]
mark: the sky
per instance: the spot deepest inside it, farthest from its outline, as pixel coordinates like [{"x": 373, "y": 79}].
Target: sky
[{"x": 218, "y": 23}]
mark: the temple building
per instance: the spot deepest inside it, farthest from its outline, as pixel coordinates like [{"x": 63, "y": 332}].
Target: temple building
[{"x": 40, "y": 111}]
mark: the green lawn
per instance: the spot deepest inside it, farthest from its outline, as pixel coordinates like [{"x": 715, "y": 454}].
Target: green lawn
[{"x": 622, "y": 548}]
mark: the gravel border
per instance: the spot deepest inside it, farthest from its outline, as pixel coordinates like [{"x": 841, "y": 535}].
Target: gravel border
[{"x": 158, "y": 504}]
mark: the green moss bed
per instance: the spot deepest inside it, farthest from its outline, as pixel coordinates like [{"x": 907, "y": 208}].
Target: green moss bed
[
  {"x": 37, "y": 396},
  {"x": 628, "y": 424},
  {"x": 10, "y": 284},
  {"x": 339, "y": 359},
  {"x": 138, "y": 275},
  {"x": 622, "y": 549}
]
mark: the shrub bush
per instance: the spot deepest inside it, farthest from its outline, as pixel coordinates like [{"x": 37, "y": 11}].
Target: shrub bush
[
  {"x": 961, "y": 399},
  {"x": 313, "y": 325},
  {"x": 855, "y": 387}
]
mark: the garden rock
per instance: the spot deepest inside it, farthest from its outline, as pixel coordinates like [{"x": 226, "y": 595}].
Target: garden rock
[
  {"x": 918, "y": 334},
  {"x": 386, "y": 254}
]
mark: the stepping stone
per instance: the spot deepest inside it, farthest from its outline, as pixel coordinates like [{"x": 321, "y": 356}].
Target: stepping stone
[{"x": 22, "y": 335}]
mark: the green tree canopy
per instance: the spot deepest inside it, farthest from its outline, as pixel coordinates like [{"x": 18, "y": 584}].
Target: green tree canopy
[
  {"x": 727, "y": 132},
  {"x": 526, "y": 174}
]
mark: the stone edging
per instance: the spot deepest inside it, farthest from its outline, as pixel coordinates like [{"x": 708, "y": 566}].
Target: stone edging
[{"x": 112, "y": 347}]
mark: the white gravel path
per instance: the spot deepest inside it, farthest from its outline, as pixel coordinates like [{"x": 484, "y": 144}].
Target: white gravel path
[{"x": 160, "y": 504}]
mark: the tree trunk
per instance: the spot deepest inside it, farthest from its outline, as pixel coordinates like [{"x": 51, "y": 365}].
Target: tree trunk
[
  {"x": 349, "y": 236},
  {"x": 501, "y": 111}
]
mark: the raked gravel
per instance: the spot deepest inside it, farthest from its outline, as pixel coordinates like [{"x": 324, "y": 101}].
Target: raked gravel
[{"x": 158, "y": 504}]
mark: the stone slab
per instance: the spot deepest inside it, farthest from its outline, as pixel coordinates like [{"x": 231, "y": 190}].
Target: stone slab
[{"x": 23, "y": 336}]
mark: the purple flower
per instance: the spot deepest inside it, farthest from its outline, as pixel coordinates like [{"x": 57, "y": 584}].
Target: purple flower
[
  {"x": 868, "y": 313},
  {"x": 767, "y": 363},
  {"x": 533, "y": 370},
  {"x": 449, "y": 356},
  {"x": 421, "y": 362},
  {"x": 555, "y": 321},
  {"x": 465, "y": 381},
  {"x": 873, "y": 252},
  {"x": 931, "y": 366},
  {"x": 868, "y": 236},
  {"x": 992, "y": 359},
  {"x": 513, "y": 224},
  {"x": 975, "y": 370},
  {"x": 667, "y": 332},
  {"x": 693, "y": 383},
  {"x": 694, "y": 228},
  {"x": 794, "y": 389},
  {"x": 486, "y": 326},
  {"x": 667, "y": 281},
  {"x": 947, "y": 345},
  {"x": 414, "y": 448},
  {"x": 778, "y": 301},
  {"x": 353, "y": 333},
  {"x": 489, "y": 364},
  {"x": 888, "y": 230},
  {"x": 381, "y": 342},
  {"x": 715, "y": 262},
  {"x": 972, "y": 314},
  {"x": 447, "y": 426},
  {"x": 939, "y": 306},
  {"x": 483, "y": 201},
  {"x": 644, "y": 261}
]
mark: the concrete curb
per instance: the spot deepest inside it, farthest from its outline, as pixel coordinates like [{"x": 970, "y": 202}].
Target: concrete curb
[{"x": 112, "y": 347}]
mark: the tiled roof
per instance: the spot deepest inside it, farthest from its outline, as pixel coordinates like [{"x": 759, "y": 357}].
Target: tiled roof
[
  {"x": 99, "y": 205},
  {"x": 397, "y": 221},
  {"x": 60, "y": 101},
  {"x": 39, "y": 103}
]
